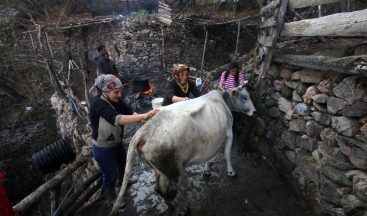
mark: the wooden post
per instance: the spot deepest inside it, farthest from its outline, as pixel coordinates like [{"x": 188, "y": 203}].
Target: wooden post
[
  {"x": 163, "y": 49},
  {"x": 71, "y": 199},
  {"x": 83, "y": 198},
  {"x": 56, "y": 180},
  {"x": 203, "y": 57},
  {"x": 237, "y": 40}
]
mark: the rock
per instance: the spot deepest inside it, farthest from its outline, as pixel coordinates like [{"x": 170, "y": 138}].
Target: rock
[
  {"x": 308, "y": 166},
  {"x": 296, "y": 75},
  {"x": 356, "y": 155},
  {"x": 311, "y": 76},
  {"x": 361, "y": 150},
  {"x": 284, "y": 105},
  {"x": 270, "y": 101},
  {"x": 286, "y": 92},
  {"x": 358, "y": 109},
  {"x": 301, "y": 109},
  {"x": 322, "y": 118},
  {"x": 359, "y": 179},
  {"x": 328, "y": 190},
  {"x": 306, "y": 143},
  {"x": 349, "y": 89},
  {"x": 319, "y": 107},
  {"x": 291, "y": 155},
  {"x": 296, "y": 97},
  {"x": 364, "y": 130},
  {"x": 334, "y": 105},
  {"x": 288, "y": 138},
  {"x": 351, "y": 202},
  {"x": 317, "y": 156},
  {"x": 325, "y": 86},
  {"x": 274, "y": 112},
  {"x": 301, "y": 88},
  {"x": 334, "y": 157},
  {"x": 336, "y": 175},
  {"x": 310, "y": 92},
  {"x": 297, "y": 125},
  {"x": 328, "y": 136},
  {"x": 278, "y": 85},
  {"x": 313, "y": 129},
  {"x": 345, "y": 126},
  {"x": 292, "y": 85},
  {"x": 285, "y": 74},
  {"x": 337, "y": 212},
  {"x": 320, "y": 98},
  {"x": 276, "y": 96}
]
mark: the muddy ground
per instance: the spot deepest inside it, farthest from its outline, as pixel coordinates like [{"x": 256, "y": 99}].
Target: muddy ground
[{"x": 258, "y": 190}]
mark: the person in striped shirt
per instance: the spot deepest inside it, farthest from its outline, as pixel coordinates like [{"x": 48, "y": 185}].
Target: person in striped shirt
[{"x": 231, "y": 78}]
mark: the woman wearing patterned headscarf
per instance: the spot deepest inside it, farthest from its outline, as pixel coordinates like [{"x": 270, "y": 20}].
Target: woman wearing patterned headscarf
[
  {"x": 108, "y": 114},
  {"x": 180, "y": 87}
]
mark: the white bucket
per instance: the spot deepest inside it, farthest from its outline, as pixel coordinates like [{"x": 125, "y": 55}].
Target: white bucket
[{"x": 157, "y": 102}]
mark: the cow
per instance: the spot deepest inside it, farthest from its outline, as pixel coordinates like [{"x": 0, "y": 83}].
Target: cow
[{"x": 182, "y": 133}]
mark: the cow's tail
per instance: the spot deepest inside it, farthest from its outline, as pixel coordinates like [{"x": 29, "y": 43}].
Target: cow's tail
[{"x": 130, "y": 159}]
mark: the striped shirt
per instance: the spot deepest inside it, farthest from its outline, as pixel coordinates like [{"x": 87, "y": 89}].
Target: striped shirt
[{"x": 230, "y": 83}]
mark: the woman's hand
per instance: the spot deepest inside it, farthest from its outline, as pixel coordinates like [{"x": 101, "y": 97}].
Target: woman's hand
[{"x": 149, "y": 115}]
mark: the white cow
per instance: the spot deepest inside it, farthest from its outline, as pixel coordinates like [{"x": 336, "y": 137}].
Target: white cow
[{"x": 187, "y": 132}]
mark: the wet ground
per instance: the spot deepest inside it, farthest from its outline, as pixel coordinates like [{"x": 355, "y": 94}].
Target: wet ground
[{"x": 258, "y": 190}]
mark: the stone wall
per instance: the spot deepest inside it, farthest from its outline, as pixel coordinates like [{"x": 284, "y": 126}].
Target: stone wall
[
  {"x": 314, "y": 124},
  {"x": 136, "y": 45}
]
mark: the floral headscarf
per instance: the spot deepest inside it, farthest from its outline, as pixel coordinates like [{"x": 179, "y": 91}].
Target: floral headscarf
[
  {"x": 178, "y": 70},
  {"x": 105, "y": 83}
]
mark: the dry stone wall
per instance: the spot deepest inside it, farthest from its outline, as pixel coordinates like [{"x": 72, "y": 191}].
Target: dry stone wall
[{"x": 314, "y": 123}]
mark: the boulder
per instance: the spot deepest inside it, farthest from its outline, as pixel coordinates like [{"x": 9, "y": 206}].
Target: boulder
[
  {"x": 334, "y": 105},
  {"x": 345, "y": 126},
  {"x": 349, "y": 89}
]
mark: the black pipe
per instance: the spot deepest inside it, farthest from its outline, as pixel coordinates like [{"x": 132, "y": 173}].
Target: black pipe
[{"x": 50, "y": 158}]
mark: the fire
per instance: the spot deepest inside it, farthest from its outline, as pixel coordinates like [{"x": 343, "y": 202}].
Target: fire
[{"x": 150, "y": 90}]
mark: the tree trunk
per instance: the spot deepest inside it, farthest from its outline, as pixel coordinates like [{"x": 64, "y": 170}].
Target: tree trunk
[
  {"x": 355, "y": 65},
  {"x": 342, "y": 24},
  {"x": 293, "y": 4}
]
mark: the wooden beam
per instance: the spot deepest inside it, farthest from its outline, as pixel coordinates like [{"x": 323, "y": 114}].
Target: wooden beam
[
  {"x": 351, "y": 24},
  {"x": 56, "y": 180},
  {"x": 355, "y": 65},
  {"x": 306, "y": 3}
]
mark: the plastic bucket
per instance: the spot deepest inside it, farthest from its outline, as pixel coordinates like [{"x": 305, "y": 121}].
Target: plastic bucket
[{"x": 157, "y": 102}]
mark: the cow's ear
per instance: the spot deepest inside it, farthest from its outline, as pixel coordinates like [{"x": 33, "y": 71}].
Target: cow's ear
[
  {"x": 234, "y": 93},
  {"x": 244, "y": 84}
]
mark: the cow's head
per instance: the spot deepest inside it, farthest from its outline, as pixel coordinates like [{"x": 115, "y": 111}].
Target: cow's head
[
  {"x": 165, "y": 187},
  {"x": 241, "y": 101}
]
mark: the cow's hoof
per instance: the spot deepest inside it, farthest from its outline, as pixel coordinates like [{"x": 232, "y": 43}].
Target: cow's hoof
[
  {"x": 206, "y": 174},
  {"x": 232, "y": 174}
]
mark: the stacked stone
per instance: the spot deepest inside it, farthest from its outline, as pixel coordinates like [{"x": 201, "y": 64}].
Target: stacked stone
[{"x": 318, "y": 123}]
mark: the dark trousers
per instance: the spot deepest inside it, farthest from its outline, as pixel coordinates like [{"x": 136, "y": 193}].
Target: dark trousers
[{"x": 112, "y": 162}]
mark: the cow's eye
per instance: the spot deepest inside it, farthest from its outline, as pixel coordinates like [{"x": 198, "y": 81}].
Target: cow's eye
[{"x": 244, "y": 98}]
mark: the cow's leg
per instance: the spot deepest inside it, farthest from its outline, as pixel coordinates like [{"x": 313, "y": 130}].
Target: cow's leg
[
  {"x": 180, "y": 202},
  {"x": 227, "y": 152}
]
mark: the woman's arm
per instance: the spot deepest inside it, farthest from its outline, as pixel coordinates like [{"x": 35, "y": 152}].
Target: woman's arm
[
  {"x": 221, "y": 82},
  {"x": 176, "y": 99},
  {"x": 129, "y": 119}
]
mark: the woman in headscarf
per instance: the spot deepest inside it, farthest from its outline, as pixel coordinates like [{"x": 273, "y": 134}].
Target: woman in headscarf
[
  {"x": 108, "y": 114},
  {"x": 180, "y": 87}
]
